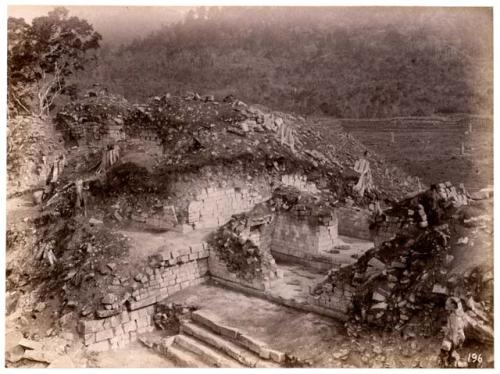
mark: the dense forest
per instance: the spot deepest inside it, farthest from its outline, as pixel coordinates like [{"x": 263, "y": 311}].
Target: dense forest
[{"x": 343, "y": 62}]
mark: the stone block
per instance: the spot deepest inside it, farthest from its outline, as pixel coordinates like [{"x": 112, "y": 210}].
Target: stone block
[
  {"x": 102, "y": 346},
  {"x": 89, "y": 339},
  {"x": 143, "y": 322},
  {"x": 251, "y": 343},
  {"x": 276, "y": 356},
  {"x": 92, "y": 326},
  {"x": 118, "y": 331},
  {"x": 115, "y": 321},
  {"x": 173, "y": 289},
  {"x": 104, "y": 335},
  {"x": 129, "y": 326},
  {"x": 133, "y": 336},
  {"x": 142, "y": 303}
]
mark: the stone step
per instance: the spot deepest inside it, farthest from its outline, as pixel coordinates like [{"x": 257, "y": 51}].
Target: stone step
[
  {"x": 209, "y": 320},
  {"x": 184, "y": 358},
  {"x": 207, "y": 354},
  {"x": 231, "y": 349}
]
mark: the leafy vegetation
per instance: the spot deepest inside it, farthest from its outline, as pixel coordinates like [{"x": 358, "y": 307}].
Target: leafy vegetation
[
  {"x": 343, "y": 62},
  {"x": 42, "y": 55}
]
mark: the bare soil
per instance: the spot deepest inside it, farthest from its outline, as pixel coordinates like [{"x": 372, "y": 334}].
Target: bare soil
[{"x": 431, "y": 151}]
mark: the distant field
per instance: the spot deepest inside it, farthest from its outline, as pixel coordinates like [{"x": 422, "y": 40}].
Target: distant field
[{"x": 431, "y": 149}]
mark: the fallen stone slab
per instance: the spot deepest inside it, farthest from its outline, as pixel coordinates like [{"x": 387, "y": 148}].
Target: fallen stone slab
[
  {"x": 94, "y": 221},
  {"x": 37, "y": 197},
  {"x": 254, "y": 345},
  {"x": 103, "y": 313},
  {"x": 39, "y": 356},
  {"x": 30, "y": 344},
  {"x": 208, "y": 354},
  {"x": 14, "y": 354},
  {"x": 209, "y": 320},
  {"x": 481, "y": 195}
]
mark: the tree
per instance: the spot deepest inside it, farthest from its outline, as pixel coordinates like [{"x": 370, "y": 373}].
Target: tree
[{"x": 42, "y": 55}]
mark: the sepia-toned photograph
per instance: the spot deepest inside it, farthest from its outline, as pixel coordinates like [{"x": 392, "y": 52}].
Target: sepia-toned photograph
[{"x": 248, "y": 187}]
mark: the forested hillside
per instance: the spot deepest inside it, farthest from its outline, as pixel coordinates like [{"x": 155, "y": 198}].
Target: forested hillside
[{"x": 347, "y": 63}]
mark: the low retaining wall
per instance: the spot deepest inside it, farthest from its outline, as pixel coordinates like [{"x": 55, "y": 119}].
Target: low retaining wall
[
  {"x": 165, "y": 282},
  {"x": 116, "y": 331},
  {"x": 174, "y": 269}
]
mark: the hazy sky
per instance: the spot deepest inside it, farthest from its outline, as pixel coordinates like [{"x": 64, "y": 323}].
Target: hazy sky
[
  {"x": 121, "y": 24},
  {"x": 116, "y": 24}
]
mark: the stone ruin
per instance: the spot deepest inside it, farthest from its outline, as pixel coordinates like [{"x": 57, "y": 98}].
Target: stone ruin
[{"x": 258, "y": 216}]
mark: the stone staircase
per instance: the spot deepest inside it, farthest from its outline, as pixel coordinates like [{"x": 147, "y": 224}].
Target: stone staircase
[{"x": 205, "y": 342}]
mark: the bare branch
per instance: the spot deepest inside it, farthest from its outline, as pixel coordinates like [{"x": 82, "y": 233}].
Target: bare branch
[{"x": 13, "y": 95}]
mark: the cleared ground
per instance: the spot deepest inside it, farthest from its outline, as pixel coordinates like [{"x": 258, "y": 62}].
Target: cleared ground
[
  {"x": 431, "y": 150},
  {"x": 320, "y": 340}
]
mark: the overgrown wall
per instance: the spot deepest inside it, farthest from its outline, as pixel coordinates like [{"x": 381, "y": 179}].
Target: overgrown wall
[{"x": 260, "y": 235}]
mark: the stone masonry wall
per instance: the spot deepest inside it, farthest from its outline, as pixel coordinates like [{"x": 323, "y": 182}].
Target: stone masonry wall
[
  {"x": 294, "y": 237},
  {"x": 354, "y": 223},
  {"x": 299, "y": 237},
  {"x": 338, "y": 298},
  {"x": 328, "y": 235},
  {"x": 214, "y": 206},
  {"x": 116, "y": 331},
  {"x": 299, "y": 182},
  {"x": 166, "y": 281},
  {"x": 173, "y": 270}
]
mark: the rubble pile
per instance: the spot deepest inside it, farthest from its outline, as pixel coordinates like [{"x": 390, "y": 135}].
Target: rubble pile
[
  {"x": 191, "y": 129},
  {"x": 194, "y": 132},
  {"x": 243, "y": 250},
  {"x": 88, "y": 261},
  {"x": 434, "y": 206},
  {"x": 32, "y": 148},
  {"x": 168, "y": 315},
  {"x": 302, "y": 205},
  {"x": 95, "y": 117},
  {"x": 398, "y": 279},
  {"x": 170, "y": 114},
  {"x": 410, "y": 276}
]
